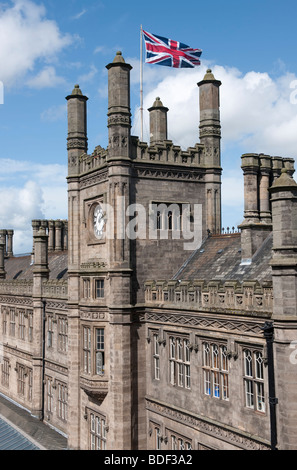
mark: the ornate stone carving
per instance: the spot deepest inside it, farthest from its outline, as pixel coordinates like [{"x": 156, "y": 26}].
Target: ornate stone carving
[
  {"x": 91, "y": 180},
  {"x": 119, "y": 119},
  {"x": 210, "y": 131},
  {"x": 118, "y": 141},
  {"x": 168, "y": 174},
  {"x": 248, "y": 296},
  {"x": 76, "y": 143}
]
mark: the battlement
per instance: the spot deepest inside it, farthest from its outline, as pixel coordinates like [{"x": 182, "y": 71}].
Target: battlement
[
  {"x": 91, "y": 162},
  {"x": 167, "y": 153}
]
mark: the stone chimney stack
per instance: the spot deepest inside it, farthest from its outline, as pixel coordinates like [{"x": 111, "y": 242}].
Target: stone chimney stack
[
  {"x": 265, "y": 178},
  {"x": 258, "y": 175},
  {"x": 158, "y": 122},
  {"x": 284, "y": 260},
  {"x": 58, "y": 235},
  {"x": 259, "y": 172},
  {"x": 210, "y": 137},
  {"x": 41, "y": 253},
  {"x": 119, "y": 113},
  {"x": 10, "y": 242},
  {"x": 284, "y": 318},
  {"x": 77, "y": 142},
  {"x": 3, "y": 236},
  {"x": 2, "y": 256},
  {"x": 51, "y": 235},
  {"x": 210, "y": 125}
]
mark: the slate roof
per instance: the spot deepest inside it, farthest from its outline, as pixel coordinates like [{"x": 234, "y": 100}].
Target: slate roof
[
  {"x": 11, "y": 439},
  {"x": 219, "y": 258},
  {"x": 19, "y": 430},
  {"x": 20, "y": 267}
]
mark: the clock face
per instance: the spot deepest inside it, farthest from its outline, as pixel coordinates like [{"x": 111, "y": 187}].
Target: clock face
[{"x": 99, "y": 221}]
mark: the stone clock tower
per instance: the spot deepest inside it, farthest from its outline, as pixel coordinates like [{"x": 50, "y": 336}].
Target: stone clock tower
[
  {"x": 108, "y": 267},
  {"x": 99, "y": 268}
]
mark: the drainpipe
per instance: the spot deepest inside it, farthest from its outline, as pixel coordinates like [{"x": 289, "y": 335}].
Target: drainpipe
[
  {"x": 273, "y": 401},
  {"x": 43, "y": 361}
]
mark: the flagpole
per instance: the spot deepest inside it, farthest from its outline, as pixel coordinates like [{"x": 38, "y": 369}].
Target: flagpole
[{"x": 141, "y": 86}]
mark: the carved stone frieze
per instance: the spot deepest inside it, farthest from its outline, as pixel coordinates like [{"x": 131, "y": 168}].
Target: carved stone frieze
[
  {"x": 91, "y": 180},
  {"x": 89, "y": 315},
  {"x": 119, "y": 119},
  {"x": 51, "y": 305},
  {"x": 168, "y": 174},
  {"x": 26, "y": 301},
  {"x": 76, "y": 143},
  {"x": 210, "y": 131},
  {"x": 118, "y": 141},
  {"x": 93, "y": 266},
  {"x": 200, "y": 321}
]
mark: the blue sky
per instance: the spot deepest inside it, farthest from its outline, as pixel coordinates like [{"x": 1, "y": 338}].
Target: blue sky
[{"x": 47, "y": 47}]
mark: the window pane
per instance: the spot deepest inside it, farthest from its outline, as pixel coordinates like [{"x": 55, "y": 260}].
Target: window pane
[
  {"x": 100, "y": 338},
  {"x": 249, "y": 395},
  {"x": 260, "y": 396},
  {"x": 99, "y": 286},
  {"x": 259, "y": 365},
  {"x": 215, "y": 356},
  {"x": 207, "y": 390},
  {"x": 248, "y": 363},
  {"x": 224, "y": 358},
  {"x": 224, "y": 386},
  {"x": 216, "y": 384},
  {"x": 206, "y": 354},
  {"x": 172, "y": 348},
  {"x": 99, "y": 351}
]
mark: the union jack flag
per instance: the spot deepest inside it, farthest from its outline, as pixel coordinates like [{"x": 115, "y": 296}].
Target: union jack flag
[{"x": 165, "y": 51}]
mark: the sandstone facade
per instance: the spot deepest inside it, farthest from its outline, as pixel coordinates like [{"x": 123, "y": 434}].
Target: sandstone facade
[{"x": 137, "y": 323}]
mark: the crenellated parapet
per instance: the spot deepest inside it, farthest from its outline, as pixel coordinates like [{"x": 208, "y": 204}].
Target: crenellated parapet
[
  {"x": 168, "y": 154},
  {"x": 165, "y": 153},
  {"x": 94, "y": 161},
  {"x": 249, "y": 297}
]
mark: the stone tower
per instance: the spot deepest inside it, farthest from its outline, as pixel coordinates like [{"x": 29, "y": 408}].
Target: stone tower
[
  {"x": 40, "y": 274},
  {"x": 76, "y": 146},
  {"x": 133, "y": 210},
  {"x": 284, "y": 320},
  {"x": 210, "y": 137},
  {"x": 158, "y": 122},
  {"x": 119, "y": 397}
]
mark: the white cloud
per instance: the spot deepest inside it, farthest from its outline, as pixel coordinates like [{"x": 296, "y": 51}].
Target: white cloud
[
  {"x": 31, "y": 192},
  {"x": 26, "y": 36},
  {"x": 22, "y": 205},
  {"x": 46, "y": 78},
  {"x": 79, "y": 15},
  {"x": 257, "y": 114}
]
